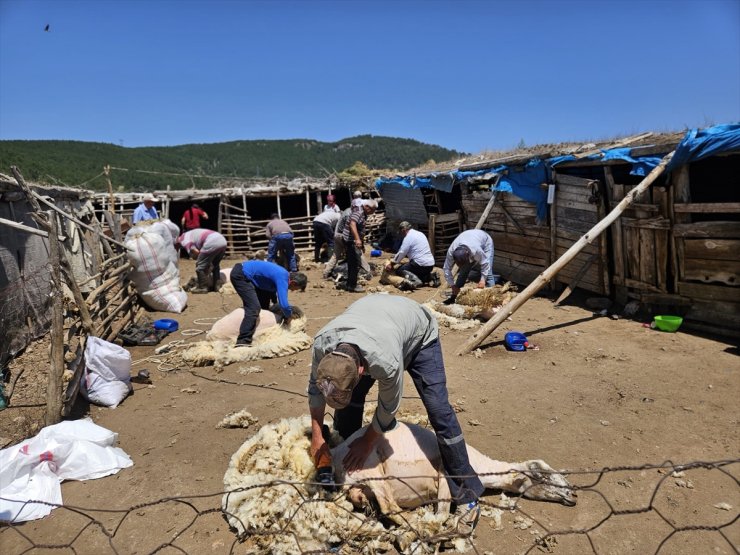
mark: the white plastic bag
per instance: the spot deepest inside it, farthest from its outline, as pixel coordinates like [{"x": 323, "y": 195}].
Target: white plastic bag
[
  {"x": 33, "y": 469},
  {"x": 107, "y": 377}
]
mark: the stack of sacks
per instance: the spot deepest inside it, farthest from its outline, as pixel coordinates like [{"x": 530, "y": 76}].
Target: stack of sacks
[{"x": 152, "y": 254}]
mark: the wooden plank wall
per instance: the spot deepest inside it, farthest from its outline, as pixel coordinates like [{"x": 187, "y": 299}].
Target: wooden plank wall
[
  {"x": 578, "y": 207},
  {"x": 521, "y": 247},
  {"x": 243, "y": 235}
]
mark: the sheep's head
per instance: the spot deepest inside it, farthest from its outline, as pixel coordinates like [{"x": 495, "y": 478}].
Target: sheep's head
[{"x": 543, "y": 483}]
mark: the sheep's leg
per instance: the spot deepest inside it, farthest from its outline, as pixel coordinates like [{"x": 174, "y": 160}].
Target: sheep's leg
[
  {"x": 443, "y": 492},
  {"x": 498, "y": 475}
]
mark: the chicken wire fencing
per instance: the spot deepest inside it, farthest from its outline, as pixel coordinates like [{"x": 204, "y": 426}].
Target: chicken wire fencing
[{"x": 653, "y": 508}]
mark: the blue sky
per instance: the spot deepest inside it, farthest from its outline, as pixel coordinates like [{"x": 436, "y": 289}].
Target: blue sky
[{"x": 468, "y": 75}]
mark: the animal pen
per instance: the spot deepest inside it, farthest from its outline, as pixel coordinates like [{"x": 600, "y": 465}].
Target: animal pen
[
  {"x": 676, "y": 247},
  {"x": 241, "y": 212}
]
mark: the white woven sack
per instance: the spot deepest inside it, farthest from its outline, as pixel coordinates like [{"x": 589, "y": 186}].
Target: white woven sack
[
  {"x": 107, "y": 378},
  {"x": 155, "y": 273}
]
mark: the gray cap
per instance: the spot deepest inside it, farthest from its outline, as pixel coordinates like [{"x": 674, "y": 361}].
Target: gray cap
[{"x": 404, "y": 226}]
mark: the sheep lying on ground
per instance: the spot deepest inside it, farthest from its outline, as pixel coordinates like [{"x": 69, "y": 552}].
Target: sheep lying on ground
[
  {"x": 473, "y": 304},
  {"x": 269, "y": 501},
  {"x": 270, "y": 340}
]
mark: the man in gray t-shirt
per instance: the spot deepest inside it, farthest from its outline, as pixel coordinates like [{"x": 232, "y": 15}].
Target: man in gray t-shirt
[{"x": 376, "y": 339}]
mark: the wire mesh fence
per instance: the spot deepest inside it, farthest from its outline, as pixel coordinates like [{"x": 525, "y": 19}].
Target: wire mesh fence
[{"x": 652, "y": 508}]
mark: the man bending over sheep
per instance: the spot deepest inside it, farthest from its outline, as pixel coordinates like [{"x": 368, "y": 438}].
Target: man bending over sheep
[
  {"x": 375, "y": 339},
  {"x": 258, "y": 283}
]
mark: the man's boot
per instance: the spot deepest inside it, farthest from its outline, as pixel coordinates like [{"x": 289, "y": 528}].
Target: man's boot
[
  {"x": 413, "y": 280},
  {"x": 202, "y": 286}
]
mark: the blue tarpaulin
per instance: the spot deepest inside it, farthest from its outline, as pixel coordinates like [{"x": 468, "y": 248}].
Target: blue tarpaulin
[
  {"x": 526, "y": 182},
  {"x": 698, "y": 144}
]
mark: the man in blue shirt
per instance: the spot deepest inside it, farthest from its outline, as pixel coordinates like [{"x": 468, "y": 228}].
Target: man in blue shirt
[
  {"x": 258, "y": 283},
  {"x": 146, "y": 210}
]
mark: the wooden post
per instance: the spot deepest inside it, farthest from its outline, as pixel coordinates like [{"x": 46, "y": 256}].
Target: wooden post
[
  {"x": 553, "y": 254},
  {"x": 279, "y": 211},
  {"x": 489, "y": 206},
  {"x": 56, "y": 369},
  {"x": 561, "y": 262},
  {"x": 106, "y": 171}
]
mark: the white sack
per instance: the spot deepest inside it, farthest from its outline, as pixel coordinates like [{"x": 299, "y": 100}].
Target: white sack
[
  {"x": 227, "y": 328},
  {"x": 33, "y": 469},
  {"x": 154, "y": 259},
  {"x": 107, "y": 378}
]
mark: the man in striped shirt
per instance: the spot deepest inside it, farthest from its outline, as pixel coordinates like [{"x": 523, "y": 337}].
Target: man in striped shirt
[
  {"x": 352, "y": 236},
  {"x": 208, "y": 247}
]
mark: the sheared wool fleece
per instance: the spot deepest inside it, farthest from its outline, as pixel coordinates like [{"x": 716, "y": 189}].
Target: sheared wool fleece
[
  {"x": 271, "y": 502},
  {"x": 271, "y": 342}
]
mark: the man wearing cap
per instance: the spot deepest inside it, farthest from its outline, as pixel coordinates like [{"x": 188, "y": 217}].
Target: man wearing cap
[
  {"x": 280, "y": 237},
  {"x": 258, "y": 283},
  {"x": 208, "y": 247},
  {"x": 472, "y": 248},
  {"x": 145, "y": 211},
  {"x": 376, "y": 339},
  {"x": 418, "y": 269},
  {"x": 323, "y": 231},
  {"x": 331, "y": 204}
]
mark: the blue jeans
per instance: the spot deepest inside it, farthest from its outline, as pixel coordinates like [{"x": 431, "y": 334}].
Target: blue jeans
[
  {"x": 464, "y": 272},
  {"x": 427, "y": 370},
  {"x": 254, "y": 299},
  {"x": 283, "y": 242}
]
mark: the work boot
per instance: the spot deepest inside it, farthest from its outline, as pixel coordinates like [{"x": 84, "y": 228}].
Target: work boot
[
  {"x": 406, "y": 285},
  {"x": 202, "y": 286},
  {"x": 466, "y": 518},
  {"x": 412, "y": 279}
]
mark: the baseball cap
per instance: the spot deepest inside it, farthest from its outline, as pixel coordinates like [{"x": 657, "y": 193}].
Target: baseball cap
[{"x": 336, "y": 377}]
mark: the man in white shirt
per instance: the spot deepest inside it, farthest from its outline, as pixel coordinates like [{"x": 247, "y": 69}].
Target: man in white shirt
[
  {"x": 472, "y": 248},
  {"x": 323, "y": 232},
  {"x": 418, "y": 270}
]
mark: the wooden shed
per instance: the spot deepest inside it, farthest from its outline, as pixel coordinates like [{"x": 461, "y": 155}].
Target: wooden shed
[{"x": 676, "y": 248}]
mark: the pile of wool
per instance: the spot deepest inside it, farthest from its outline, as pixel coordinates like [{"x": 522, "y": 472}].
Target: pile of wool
[
  {"x": 239, "y": 419},
  {"x": 272, "y": 503},
  {"x": 270, "y": 498},
  {"x": 272, "y": 341}
]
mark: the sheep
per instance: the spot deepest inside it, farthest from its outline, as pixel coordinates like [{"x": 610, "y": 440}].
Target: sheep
[{"x": 272, "y": 501}]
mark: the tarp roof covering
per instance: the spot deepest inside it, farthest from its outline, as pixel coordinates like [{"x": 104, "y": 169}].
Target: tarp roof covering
[{"x": 525, "y": 180}]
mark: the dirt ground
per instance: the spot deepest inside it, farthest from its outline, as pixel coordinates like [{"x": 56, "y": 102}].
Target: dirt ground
[{"x": 597, "y": 394}]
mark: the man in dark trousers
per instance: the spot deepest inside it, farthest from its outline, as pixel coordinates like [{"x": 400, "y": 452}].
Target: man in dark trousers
[
  {"x": 280, "y": 237},
  {"x": 376, "y": 339},
  {"x": 258, "y": 283}
]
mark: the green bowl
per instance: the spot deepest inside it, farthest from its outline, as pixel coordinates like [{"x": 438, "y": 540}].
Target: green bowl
[{"x": 668, "y": 323}]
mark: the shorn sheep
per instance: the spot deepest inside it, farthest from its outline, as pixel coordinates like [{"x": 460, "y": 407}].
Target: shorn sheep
[{"x": 273, "y": 504}]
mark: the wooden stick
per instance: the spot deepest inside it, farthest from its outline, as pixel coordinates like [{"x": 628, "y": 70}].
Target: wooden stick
[
  {"x": 489, "y": 206},
  {"x": 572, "y": 285},
  {"x": 34, "y": 197},
  {"x": 544, "y": 278},
  {"x": 16, "y": 225},
  {"x": 113, "y": 278},
  {"x": 56, "y": 369}
]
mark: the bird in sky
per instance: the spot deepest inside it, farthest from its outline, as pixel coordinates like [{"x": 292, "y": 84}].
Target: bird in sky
[{"x": 47, "y": 27}]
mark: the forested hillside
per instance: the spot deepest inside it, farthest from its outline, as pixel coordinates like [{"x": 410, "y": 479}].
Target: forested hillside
[{"x": 77, "y": 163}]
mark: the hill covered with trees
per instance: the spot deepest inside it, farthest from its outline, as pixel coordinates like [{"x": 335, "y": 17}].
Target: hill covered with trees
[{"x": 75, "y": 163}]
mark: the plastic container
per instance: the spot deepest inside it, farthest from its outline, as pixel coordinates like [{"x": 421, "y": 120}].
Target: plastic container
[
  {"x": 376, "y": 252},
  {"x": 516, "y": 341},
  {"x": 166, "y": 324},
  {"x": 667, "y": 323}
]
